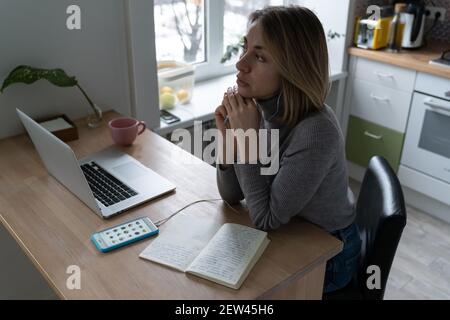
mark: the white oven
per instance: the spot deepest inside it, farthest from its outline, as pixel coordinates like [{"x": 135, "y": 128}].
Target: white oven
[
  {"x": 427, "y": 142},
  {"x": 425, "y": 161}
]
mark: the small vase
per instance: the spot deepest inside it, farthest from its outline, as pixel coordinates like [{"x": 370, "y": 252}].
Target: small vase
[{"x": 94, "y": 117}]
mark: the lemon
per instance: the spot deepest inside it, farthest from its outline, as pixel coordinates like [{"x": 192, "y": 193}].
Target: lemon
[
  {"x": 183, "y": 95},
  {"x": 167, "y": 100},
  {"x": 166, "y": 89}
]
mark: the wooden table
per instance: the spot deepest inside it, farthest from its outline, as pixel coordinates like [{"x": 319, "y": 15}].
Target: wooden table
[{"x": 53, "y": 228}]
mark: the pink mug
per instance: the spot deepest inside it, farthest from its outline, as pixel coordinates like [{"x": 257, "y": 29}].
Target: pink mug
[{"x": 125, "y": 130}]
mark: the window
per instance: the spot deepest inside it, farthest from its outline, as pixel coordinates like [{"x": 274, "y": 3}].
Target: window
[
  {"x": 235, "y": 20},
  {"x": 179, "y": 30},
  {"x": 198, "y": 31},
  {"x": 221, "y": 24}
]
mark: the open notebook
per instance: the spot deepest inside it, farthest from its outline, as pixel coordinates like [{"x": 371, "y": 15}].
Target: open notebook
[{"x": 226, "y": 258}]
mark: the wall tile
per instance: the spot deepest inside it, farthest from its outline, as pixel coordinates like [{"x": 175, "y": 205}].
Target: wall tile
[{"x": 440, "y": 32}]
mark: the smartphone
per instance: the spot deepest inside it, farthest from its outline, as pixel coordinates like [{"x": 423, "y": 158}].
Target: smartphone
[
  {"x": 168, "y": 117},
  {"x": 124, "y": 234}
]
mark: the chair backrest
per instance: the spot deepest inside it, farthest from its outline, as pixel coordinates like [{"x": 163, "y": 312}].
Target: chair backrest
[{"x": 381, "y": 217}]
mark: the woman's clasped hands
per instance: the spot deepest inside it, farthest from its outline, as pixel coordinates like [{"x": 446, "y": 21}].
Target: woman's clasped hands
[{"x": 237, "y": 112}]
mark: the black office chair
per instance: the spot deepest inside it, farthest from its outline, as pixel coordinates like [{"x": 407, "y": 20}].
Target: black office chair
[{"x": 381, "y": 217}]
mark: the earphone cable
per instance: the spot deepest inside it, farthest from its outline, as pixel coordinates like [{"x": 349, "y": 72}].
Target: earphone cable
[{"x": 276, "y": 112}]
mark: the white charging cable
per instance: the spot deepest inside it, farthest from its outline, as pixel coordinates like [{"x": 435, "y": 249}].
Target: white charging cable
[{"x": 162, "y": 221}]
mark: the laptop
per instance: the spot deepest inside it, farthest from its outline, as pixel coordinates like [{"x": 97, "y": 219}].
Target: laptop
[{"x": 109, "y": 182}]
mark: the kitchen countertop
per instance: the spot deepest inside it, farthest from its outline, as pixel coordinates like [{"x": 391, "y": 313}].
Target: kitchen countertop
[{"x": 411, "y": 59}]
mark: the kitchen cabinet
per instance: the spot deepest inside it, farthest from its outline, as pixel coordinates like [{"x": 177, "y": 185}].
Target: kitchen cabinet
[
  {"x": 366, "y": 139},
  {"x": 384, "y": 74},
  {"x": 378, "y": 97},
  {"x": 381, "y": 105},
  {"x": 401, "y": 111}
]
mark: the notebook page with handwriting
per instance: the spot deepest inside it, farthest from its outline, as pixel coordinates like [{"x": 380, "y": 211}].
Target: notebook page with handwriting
[
  {"x": 179, "y": 242},
  {"x": 229, "y": 256}
]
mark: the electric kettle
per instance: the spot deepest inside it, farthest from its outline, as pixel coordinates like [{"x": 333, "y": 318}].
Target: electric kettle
[{"x": 414, "y": 18}]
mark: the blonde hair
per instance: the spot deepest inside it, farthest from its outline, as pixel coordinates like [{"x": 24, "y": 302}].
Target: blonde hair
[{"x": 296, "y": 41}]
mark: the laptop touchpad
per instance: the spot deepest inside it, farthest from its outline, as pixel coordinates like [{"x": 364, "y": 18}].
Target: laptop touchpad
[{"x": 130, "y": 171}]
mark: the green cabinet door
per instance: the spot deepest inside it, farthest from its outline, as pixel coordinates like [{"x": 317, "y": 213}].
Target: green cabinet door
[{"x": 366, "y": 139}]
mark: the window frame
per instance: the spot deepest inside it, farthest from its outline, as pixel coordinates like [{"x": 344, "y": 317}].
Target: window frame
[
  {"x": 213, "y": 42},
  {"x": 214, "y": 46},
  {"x": 212, "y": 67}
]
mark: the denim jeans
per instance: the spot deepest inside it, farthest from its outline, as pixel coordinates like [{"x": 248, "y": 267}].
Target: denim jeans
[{"x": 341, "y": 268}]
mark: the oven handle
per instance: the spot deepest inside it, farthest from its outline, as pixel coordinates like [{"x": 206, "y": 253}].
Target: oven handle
[{"x": 444, "y": 110}]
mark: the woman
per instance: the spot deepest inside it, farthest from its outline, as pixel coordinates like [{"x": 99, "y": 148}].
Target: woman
[{"x": 282, "y": 84}]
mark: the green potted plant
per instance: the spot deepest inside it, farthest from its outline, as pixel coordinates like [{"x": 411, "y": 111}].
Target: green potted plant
[
  {"x": 232, "y": 50},
  {"x": 58, "y": 77}
]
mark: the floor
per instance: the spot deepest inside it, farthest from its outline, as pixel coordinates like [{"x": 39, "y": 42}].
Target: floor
[{"x": 421, "y": 268}]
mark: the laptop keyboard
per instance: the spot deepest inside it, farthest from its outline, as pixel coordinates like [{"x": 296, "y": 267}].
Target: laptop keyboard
[{"x": 106, "y": 188}]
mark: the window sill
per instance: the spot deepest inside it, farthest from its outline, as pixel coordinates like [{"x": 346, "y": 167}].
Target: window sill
[{"x": 206, "y": 97}]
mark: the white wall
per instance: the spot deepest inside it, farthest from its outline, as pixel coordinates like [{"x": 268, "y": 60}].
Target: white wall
[
  {"x": 34, "y": 32},
  {"x": 335, "y": 15}
]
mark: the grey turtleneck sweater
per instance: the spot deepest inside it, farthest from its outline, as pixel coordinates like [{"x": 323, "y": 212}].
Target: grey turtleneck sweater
[{"x": 312, "y": 180}]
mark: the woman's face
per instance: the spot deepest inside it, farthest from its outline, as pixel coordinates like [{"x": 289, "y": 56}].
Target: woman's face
[{"x": 257, "y": 77}]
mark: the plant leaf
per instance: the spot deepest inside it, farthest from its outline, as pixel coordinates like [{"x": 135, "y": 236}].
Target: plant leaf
[
  {"x": 28, "y": 75},
  {"x": 232, "y": 49}
]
